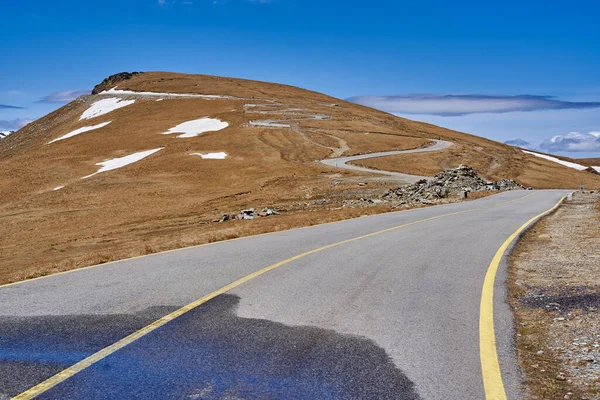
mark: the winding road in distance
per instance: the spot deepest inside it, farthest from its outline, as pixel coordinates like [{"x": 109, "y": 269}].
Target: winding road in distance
[
  {"x": 341, "y": 162},
  {"x": 391, "y": 306}
]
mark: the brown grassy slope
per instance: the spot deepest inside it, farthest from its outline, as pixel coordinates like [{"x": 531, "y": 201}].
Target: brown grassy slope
[
  {"x": 495, "y": 164},
  {"x": 166, "y": 199},
  {"x": 589, "y": 161}
]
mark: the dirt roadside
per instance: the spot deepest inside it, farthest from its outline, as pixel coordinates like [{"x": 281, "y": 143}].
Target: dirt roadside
[{"x": 554, "y": 283}]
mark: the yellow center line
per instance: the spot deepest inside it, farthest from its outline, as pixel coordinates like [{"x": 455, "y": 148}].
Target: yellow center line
[
  {"x": 105, "y": 352},
  {"x": 490, "y": 366}
]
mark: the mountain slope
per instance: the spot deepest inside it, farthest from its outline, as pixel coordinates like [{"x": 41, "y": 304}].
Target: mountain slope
[{"x": 52, "y": 219}]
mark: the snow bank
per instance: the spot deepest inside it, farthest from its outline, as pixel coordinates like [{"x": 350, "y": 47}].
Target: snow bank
[
  {"x": 58, "y": 188},
  {"x": 157, "y": 94},
  {"x": 4, "y": 134},
  {"x": 597, "y": 169},
  {"x": 197, "y": 127},
  {"x": 120, "y": 162},
  {"x": 557, "y": 160},
  {"x": 212, "y": 156},
  {"x": 104, "y": 106},
  {"x": 80, "y": 130}
]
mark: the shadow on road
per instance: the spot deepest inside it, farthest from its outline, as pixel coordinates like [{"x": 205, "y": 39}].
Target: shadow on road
[{"x": 211, "y": 353}]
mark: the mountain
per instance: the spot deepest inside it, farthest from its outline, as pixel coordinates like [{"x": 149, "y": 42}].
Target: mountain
[
  {"x": 590, "y": 161},
  {"x": 99, "y": 179}
]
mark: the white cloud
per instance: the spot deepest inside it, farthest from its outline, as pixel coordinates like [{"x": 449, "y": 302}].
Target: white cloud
[
  {"x": 9, "y": 106},
  {"x": 518, "y": 143},
  {"x": 573, "y": 142},
  {"x": 15, "y": 124},
  {"x": 456, "y": 105},
  {"x": 64, "y": 97},
  {"x": 534, "y": 127}
]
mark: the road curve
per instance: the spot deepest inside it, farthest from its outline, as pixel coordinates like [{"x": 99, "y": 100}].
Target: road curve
[
  {"x": 342, "y": 161},
  {"x": 385, "y": 306}
]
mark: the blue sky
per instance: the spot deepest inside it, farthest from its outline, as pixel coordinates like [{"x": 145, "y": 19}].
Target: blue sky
[{"x": 473, "y": 66}]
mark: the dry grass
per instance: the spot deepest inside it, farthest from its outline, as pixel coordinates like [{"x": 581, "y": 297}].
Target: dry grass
[
  {"x": 186, "y": 237},
  {"x": 589, "y": 161},
  {"x": 553, "y": 276},
  {"x": 497, "y": 164},
  {"x": 168, "y": 199}
]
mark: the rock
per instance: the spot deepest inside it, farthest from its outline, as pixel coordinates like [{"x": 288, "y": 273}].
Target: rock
[
  {"x": 270, "y": 211},
  {"x": 226, "y": 217},
  {"x": 561, "y": 377},
  {"x": 447, "y": 183},
  {"x": 112, "y": 81},
  {"x": 441, "y": 192},
  {"x": 247, "y": 214}
]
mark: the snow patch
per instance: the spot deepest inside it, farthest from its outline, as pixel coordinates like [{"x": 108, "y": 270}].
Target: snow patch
[
  {"x": 80, "y": 130},
  {"x": 212, "y": 156},
  {"x": 4, "y": 134},
  {"x": 160, "y": 100},
  {"x": 197, "y": 127},
  {"x": 557, "y": 160},
  {"x": 157, "y": 94},
  {"x": 597, "y": 169},
  {"x": 120, "y": 162},
  {"x": 104, "y": 106},
  {"x": 58, "y": 188}
]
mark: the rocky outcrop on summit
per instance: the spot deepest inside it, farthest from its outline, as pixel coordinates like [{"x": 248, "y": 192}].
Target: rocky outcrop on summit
[
  {"x": 112, "y": 80},
  {"x": 445, "y": 184}
]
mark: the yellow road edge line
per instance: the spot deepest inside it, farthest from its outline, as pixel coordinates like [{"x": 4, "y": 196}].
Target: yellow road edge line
[
  {"x": 105, "y": 352},
  {"x": 488, "y": 353},
  {"x": 232, "y": 240}
]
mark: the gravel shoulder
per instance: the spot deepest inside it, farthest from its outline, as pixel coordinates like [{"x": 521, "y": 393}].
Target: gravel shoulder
[{"x": 555, "y": 291}]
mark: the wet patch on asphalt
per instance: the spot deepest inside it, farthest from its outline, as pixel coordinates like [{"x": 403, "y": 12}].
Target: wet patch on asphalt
[
  {"x": 211, "y": 353},
  {"x": 33, "y": 349},
  {"x": 563, "y": 299}
]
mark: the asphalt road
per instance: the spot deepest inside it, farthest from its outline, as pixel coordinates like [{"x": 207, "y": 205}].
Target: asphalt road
[
  {"x": 342, "y": 162},
  {"x": 387, "y": 316}
]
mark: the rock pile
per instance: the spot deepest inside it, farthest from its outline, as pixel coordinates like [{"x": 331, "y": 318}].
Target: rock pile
[
  {"x": 248, "y": 214},
  {"x": 447, "y": 183}
]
